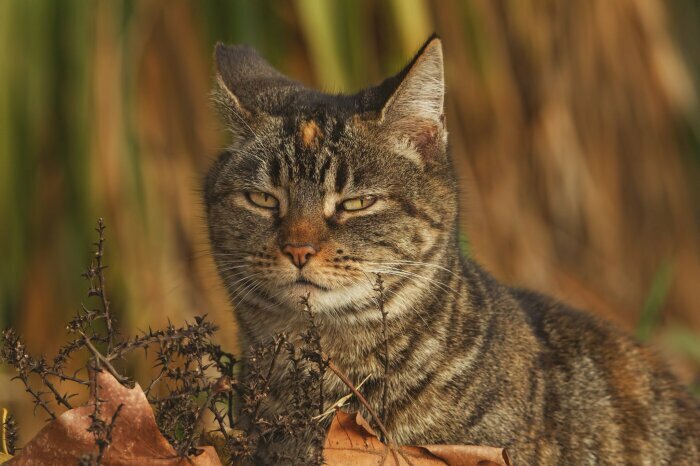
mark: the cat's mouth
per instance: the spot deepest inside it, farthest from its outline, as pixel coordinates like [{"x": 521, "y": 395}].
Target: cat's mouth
[
  {"x": 324, "y": 295},
  {"x": 304, "y": 282}
]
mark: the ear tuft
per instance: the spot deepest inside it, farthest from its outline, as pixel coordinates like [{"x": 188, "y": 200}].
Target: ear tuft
[{"x": 246, "y": 86}]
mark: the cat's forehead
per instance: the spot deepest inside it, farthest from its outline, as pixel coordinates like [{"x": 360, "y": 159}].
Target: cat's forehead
[
  {"x": 308, "y": 156},
  {"x": 320, "y": 148},
  {"x": 315, "y": 130}
]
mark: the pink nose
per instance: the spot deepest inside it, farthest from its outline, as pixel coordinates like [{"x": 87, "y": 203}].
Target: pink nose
[{"x": 299, "y": 254}]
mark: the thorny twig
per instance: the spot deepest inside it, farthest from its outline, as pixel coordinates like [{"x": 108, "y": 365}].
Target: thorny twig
[
  {"x": 278, "y": 344},
  {"x": 103, "y": 437},
  {"x": 379, "y": 288},
  {"x": 103, "y": 361},
  {"x": 165, "y": 366},
  {"x": 14, "y": 352},
  {"x": 60, "y": 398},
  {"x": 98, "y": 427},
  {"x": 223, "y": 385},
  {"x": 314, "y": 351},
  {"x": 97, "y": 271},
  {"x": 341, "y": 375}
]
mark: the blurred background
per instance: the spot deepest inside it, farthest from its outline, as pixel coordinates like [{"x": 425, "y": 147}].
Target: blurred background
[{"x": 575, "y": 127}]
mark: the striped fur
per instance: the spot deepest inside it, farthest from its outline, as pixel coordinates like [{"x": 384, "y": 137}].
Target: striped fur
[{"x": 472, "y": 361}]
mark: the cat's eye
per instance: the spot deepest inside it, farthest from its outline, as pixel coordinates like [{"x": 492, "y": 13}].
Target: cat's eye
[
  {"x": 358, "y": 203},
  {"x": 264, "y": 200}
]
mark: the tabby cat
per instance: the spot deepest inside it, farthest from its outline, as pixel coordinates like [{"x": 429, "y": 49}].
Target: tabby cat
[{"x": 319, "y": 193}]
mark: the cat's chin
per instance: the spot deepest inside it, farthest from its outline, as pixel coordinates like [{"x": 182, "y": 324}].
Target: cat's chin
[{"x": 323, "y": 299}]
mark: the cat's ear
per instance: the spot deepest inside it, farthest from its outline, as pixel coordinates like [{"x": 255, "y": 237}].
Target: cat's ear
[
  {"x": 244, "y": 83},
  {"x": 414, "y": 111}
]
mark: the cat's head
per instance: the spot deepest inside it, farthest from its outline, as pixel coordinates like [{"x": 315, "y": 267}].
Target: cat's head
[{"x": 318, "y": 193}]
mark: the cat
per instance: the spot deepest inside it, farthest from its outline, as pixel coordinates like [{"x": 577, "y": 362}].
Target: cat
[{"x": 319, "y": 193}]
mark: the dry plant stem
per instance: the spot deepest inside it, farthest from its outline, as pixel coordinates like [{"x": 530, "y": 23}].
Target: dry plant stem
[
  {"x": 163, "y": 371},
  {"x": 101, "y": 278},
  {"x": 380, "y": 298},
  {"x": 140, "y": 342},
  {"x": 220, "y": 418},
  {"x": 275, "y": 354},
  {"x": 60, "y": 399},
  {"x": 108, "y": 434},
  {"x": 222, "y": 385},
  {"x": 101, "y": 430},
  {"x": 229, "y": 409},
  {"x": 65, "y": 377},
  {"x": 93, "y": 367},
  {"x": 199, "y": 423},
  {"x": 360, "y": 397},
  {"x": 176, "y": 396},
  {"x": 102, "y": 360},
  {"x": 39, "y": 401},
  {"x": 315, "y": 335}
]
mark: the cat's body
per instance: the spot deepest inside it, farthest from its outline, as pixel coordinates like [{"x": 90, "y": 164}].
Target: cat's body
[{"x": 320, "y": 193}]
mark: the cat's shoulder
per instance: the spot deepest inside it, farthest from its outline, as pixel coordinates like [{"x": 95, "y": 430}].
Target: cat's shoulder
[{"x": 558, "y": 324}]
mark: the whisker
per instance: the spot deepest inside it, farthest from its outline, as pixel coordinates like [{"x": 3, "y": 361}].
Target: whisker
[
  {"x": 418, "y": 263},
  {"x": 237, "y": 293},
  {"x": 230, "y": 285},
  {"x": 443, "y": 286},
  {"x": 395, "y": 294},
  {"x": 257, "y": 285}
]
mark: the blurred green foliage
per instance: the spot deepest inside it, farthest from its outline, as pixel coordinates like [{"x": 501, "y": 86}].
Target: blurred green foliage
[{"x": 658, "y": 292}]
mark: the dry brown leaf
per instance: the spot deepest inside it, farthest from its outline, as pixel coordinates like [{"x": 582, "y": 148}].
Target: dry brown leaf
[
  {"x": 470, "y": 455},
  {"x": 351, "y": 441},
  {"x": 136, "y": 439}
]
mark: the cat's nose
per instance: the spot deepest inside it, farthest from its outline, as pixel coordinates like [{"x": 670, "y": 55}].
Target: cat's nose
[{"x": 299, "y": 254}]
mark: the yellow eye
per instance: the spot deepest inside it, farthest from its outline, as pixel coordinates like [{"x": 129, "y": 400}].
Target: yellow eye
[
  {"x": 358, "y": 203},
  {"x": 264, "y": 200}
]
